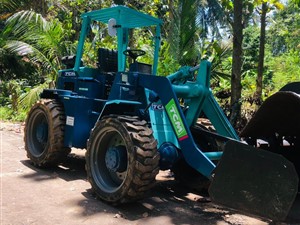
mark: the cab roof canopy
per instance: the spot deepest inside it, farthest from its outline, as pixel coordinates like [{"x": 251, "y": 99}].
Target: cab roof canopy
[{"x": 125, "y": 17}]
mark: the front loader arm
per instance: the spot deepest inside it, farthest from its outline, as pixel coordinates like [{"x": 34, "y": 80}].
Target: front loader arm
[
  {"x": 200, "y": 98},
  {"x": 192, "y": 154}
]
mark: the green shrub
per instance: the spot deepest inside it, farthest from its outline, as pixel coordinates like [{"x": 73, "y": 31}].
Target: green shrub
[{"x": 7, "y": 114}]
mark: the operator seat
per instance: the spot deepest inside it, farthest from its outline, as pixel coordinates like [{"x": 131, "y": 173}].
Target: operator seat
[{"x": 107, "y": 60}]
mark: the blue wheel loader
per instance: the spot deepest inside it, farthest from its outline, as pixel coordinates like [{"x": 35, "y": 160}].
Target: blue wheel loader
[{"x": 133, "y": 123}]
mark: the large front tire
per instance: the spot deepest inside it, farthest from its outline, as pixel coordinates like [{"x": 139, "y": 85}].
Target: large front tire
[
  {"x": 121, "y": 159},
  {"x": 44, "y": 133}
]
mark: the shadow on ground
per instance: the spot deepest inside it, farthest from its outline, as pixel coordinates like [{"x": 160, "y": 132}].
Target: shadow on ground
[
  {"x": 73, "y": 168},
  {"x": 167, "y": 198}
]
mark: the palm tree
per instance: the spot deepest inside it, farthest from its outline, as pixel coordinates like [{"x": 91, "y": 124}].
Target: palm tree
[
  {"x": 43, "y": 42},
  {"x": 191, "y": 22},
  {"x": 39, "y": 41},
  {"x": 12, "y": 6},
  {"x": 266, "y": 6},
  {"x": 236, "y": 86}
]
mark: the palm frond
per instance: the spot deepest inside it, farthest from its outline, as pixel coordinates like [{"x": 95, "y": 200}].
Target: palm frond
[
  {"x": 43, "y": 42},
  {"x": 193, "y": 22},
  {"x": 9, "y": 5},
  {"x": 28, "y": 21},
  {"x": 29, "y": 98},
  {"x": 36, "y": 56}
]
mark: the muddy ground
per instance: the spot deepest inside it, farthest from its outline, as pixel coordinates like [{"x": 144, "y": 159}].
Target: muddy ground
[{"x": 63, "y": 196}]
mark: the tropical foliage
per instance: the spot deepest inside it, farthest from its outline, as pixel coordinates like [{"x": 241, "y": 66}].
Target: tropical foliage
[{"x": 35, "y": 34}]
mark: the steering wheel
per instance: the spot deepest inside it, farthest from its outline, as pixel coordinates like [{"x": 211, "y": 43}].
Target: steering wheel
[{"x": 134, "y": 53}]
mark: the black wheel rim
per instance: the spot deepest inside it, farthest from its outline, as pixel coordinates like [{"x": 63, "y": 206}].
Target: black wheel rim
[
  {"x": 105, "y": 178},
  {"x": 38, "y": 128}
]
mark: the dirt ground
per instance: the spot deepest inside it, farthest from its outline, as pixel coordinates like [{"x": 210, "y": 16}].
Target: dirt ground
[{"x": 63, "y": 196}]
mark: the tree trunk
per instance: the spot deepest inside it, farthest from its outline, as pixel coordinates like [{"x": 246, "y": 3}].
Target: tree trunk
[
  {"x": 260, "y": 69},
  {"x": 39, "y": 6},
  {"x": 236, "y": 86}
]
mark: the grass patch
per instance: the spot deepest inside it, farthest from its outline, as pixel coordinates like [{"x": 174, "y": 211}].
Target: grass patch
[{"x": 7, "y": 114}]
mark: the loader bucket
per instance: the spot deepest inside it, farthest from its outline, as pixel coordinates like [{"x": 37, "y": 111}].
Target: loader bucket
[
  {"x": 279, "y": 114},
  {"x": 276, "y": 125},
  {"x": 254, "y": 181}
]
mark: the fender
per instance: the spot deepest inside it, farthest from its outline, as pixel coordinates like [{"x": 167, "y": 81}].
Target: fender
[{"x": 120, "y": 107}]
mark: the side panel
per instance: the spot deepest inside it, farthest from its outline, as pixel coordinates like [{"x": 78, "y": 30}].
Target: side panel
[
  {"x": 90, "y": 83},
  {"x": 81, "y": 115},
  {"x": 120, "y": 107}
]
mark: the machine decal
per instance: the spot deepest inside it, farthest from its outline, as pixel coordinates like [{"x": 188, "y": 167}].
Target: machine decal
[
  {"x": 176, "y": 120},
  {"x": 70, "y": 121},
  {"x": 70, "y": 74},
  {"x": 157, "y": 107}
]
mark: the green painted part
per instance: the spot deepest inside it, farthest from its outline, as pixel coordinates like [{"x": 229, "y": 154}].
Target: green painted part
[
  {"x": 194, "y": 92},
  {"x": 160, "y": 124},
  {"x": 122, "y": 46},
  {"x": 126, "y": 17},
  {"x": 197, "y": 94},
  {"x": 213, "y": 155},
  {"x": 175, "y": 119},
  {"x": 123, "y": 102},
  {"x": 85, "y": 25},
  {"x": 210, "y": 106},
  {"x": 197, "y": 103},
  {"x": 213, "y": 111},
  {"x": 156, "y": 50},
  {"x": 183, "y": 72}
]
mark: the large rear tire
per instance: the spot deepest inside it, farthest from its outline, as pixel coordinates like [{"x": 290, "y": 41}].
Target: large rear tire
[
  {"x": 44, "y": 133},
  {"x": 121, "y": 159}
]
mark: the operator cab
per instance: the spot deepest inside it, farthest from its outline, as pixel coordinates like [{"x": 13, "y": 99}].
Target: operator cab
[
  {"x": 119, "y": 23},
  {"x": 104, "y": 65}
]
